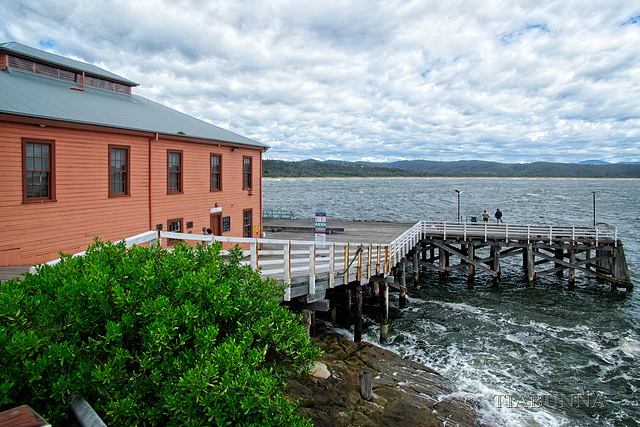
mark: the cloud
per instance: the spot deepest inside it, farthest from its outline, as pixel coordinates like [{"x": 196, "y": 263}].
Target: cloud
[{"x": 352, "y": 80}]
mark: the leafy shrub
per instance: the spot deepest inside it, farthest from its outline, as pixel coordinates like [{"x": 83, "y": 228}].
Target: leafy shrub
[{"x": 151, "y": 337}]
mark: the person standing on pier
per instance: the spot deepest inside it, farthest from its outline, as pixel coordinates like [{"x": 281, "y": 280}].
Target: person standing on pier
[
  {"x": 485, "y": 216},
  {"x": 498, "y": 216}
]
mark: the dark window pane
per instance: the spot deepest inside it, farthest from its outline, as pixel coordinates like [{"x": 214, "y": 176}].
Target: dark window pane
[{"x": 37, "y": 174}]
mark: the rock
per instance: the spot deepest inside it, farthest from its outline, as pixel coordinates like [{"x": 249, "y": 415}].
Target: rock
[
  {"x": 319, "y": 370},
  {"x": 404, "y": 392}
]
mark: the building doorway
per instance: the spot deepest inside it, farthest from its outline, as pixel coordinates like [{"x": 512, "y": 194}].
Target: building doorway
[{"x": 216, "y": 223}]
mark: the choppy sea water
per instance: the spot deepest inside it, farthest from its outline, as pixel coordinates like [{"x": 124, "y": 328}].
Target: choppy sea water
[{"x": 547, "y": 356}]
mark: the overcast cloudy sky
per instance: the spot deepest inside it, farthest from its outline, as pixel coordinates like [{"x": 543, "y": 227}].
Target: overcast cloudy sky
[{"x": 509, "y": 81}]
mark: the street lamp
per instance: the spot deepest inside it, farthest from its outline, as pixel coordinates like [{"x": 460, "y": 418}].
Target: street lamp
[
  {"x": 459, "y": 193},
  {"x": 594, "y": 208}
]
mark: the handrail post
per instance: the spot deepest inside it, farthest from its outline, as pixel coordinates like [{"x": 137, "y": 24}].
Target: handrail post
[
  {"x": 332, "y": 264},
  {"x": 359, "y": 268},
  {"x": 369, "y": 260},
  {"x": 347, "y": 254},
  {"x": 254, "y": 254},
  {"x": 312, "y": 259},
  {"x": 387, "y": 268},
  {"x": 312, "y": 268},
  {"x": 286, "y": 262}
]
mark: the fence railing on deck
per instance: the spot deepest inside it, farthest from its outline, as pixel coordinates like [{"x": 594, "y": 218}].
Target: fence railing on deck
[
  {"x": 528, "y": 233},
  {"x": 286, "y": 260}
]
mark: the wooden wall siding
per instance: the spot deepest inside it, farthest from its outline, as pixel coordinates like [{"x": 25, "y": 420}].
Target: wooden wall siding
[
  {"x": 35, "y": 232},
  {"x": 194, "y": 204},
  {"x": 82, "y": 210}
]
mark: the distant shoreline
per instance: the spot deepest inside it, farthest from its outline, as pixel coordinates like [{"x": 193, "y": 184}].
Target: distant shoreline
[
  {"x": 433, "y": 169},
  {"x": 446, "y": 177}
]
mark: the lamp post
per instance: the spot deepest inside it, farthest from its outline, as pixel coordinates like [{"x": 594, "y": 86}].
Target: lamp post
[
  {"x": 594, "y": 208},
  {"x": 459, "y": 192}
]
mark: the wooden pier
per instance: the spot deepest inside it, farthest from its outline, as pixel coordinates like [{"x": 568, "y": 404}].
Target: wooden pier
[
  {"x": 311, "y": 272},
  {"x": 594, "y": 251}
]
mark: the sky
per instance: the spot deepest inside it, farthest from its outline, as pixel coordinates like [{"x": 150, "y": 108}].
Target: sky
[{"x": 506, "y": 81}]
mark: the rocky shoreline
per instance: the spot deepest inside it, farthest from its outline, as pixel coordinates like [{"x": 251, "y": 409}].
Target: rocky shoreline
[{"x": 404, "y": 392}]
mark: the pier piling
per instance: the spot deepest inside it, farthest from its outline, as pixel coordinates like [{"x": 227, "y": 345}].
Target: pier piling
[
  {"x": 357, "y": 328},
  {"x": 384, "y": 309}
]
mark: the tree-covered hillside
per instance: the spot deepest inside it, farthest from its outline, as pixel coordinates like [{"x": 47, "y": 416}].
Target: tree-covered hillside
[{"x": 424, "y": 168}]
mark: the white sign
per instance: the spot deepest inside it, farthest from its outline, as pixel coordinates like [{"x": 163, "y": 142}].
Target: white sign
[
  {"x": 213, "y": 210},
  {"x": 321, "y": 228}
]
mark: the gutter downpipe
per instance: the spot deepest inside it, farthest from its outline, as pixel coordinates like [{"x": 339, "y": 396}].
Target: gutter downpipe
[{"x": 156, "y": 138}]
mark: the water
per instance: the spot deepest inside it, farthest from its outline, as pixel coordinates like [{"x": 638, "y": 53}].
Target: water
[{"x": 513, "y": 352}]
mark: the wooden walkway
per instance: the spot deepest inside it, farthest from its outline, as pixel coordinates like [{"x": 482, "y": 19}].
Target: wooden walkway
[
  {"x": 311, "y": 272},
  {"x": 307, "y": 268}
]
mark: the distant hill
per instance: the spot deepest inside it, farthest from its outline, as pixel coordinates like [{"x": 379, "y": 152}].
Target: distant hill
[
  {"x": 463, "y": 168},
  {"x": 593, "y": 162}
]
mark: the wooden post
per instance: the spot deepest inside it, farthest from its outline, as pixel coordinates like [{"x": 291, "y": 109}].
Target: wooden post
[
  {"x": 401, "y": 273},
  {"x": 357, "y": 328},
  {"x": 402, "y": 301},
  {"x": 365, "y": 385},
  {"x": 620, "y": 269},
  {"x": 471, "y": 269},
  {"x": 384, "y": 310},
  {"x": 416, "y": 265},
  {"x": 444, "y": 262},
  {"x": 375, "y": 287},
  {"x": 495, "y": 253},
  {"x": 306, "y": 320},
  {"x": 559, "y": 254},
  {"x": 572, "y": 271},
  {"x": 531, "y": 265}
]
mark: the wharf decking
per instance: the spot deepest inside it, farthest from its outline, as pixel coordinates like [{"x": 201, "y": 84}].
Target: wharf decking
[{"x": 360, "y": 251}]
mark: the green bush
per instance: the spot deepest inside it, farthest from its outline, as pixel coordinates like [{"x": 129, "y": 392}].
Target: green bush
[{"x": 151, "y": 337}]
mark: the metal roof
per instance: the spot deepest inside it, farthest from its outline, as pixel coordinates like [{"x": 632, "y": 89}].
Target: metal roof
[
  {"x": 31, "y": 95},
  {"x": 61, "y": 61}
]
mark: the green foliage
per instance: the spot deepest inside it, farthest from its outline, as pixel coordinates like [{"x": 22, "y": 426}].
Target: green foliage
[{"x": 151, "y": 337}]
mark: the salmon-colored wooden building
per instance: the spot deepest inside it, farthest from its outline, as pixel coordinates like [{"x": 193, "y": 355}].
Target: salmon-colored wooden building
[{"x": 81, "y": 156}]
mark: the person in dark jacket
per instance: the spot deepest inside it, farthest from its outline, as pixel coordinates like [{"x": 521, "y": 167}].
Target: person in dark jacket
[{"x": 498, "y": 215}]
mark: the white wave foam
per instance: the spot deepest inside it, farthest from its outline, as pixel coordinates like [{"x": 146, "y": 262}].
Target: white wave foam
[{"x": 630, "y": 346}]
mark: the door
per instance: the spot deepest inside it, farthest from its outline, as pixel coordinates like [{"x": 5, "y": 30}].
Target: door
[{"x": 216, "y": 224}]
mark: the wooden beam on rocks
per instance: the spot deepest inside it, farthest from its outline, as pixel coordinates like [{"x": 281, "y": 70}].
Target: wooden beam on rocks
[{"x": 357, "y": 327}]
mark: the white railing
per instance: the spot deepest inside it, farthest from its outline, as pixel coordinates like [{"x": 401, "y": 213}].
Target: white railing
[
  {"x": 529, "y": 233},
  {"x": 286, "y": 260}
]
